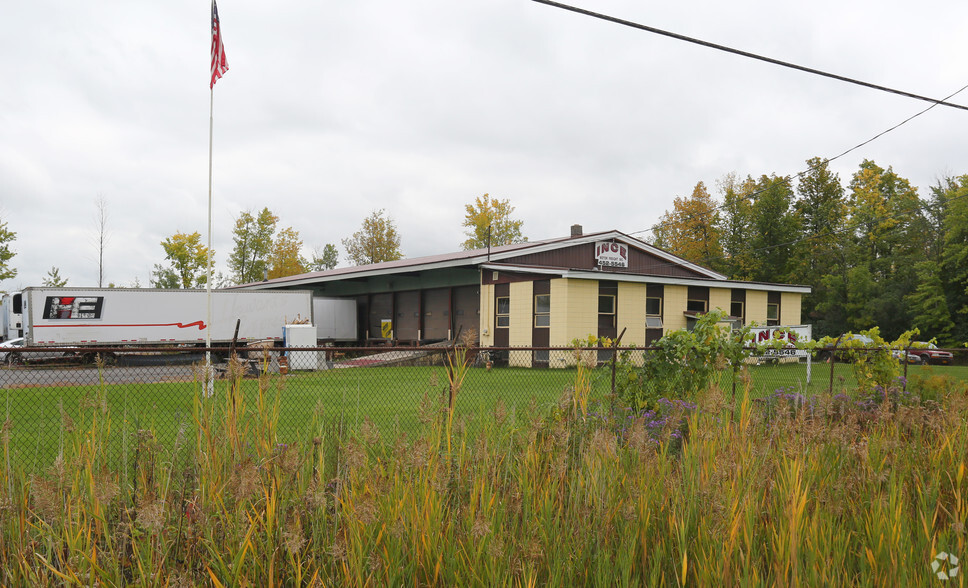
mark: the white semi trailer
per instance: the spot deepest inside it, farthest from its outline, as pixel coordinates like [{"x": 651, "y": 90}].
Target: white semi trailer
[
  {"x": 335, "y": 319},
  {"x": 11, "y": 317},
  {"x": 76, "y": 317}
]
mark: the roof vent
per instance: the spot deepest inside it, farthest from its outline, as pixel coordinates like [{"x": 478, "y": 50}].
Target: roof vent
[{"x": 576, "y": 230}]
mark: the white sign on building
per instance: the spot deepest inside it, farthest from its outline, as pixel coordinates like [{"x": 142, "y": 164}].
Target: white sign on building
[{"x": 612, "y": 254}]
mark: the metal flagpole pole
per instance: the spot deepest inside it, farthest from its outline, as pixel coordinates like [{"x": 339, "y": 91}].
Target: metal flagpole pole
[
  {"x": 209, "y": 373},
  {"x": 219, "y": 66}
]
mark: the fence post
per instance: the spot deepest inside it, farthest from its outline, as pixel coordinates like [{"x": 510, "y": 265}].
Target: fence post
[
  {"x": 615, "y": 345},
  {"x": 833, "y": 360},
  {"x": 906, "y": 365}
]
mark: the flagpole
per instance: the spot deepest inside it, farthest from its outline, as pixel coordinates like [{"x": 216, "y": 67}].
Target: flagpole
[
  {"x": 219, "y": 66},
  {"x": 208, "y": 274},
  {"x": 209, "y": 372}
]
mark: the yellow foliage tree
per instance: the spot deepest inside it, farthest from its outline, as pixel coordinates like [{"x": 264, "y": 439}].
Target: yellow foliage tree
[
  {"x": 486, "y": 214},
  {"x": 285, "y": 259},
  {"x": 691, "y": 229},
  {"x": 376, "y": 241},
  {"x": 189, "y": 260}
]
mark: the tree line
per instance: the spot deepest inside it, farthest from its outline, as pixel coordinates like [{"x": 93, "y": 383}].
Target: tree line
[
  {"x": 263, "y": 251},
  {"x": 874, "y": 251}
]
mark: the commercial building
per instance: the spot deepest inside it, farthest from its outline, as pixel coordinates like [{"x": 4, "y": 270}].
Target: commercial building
[{"x": 545, "y": 293}]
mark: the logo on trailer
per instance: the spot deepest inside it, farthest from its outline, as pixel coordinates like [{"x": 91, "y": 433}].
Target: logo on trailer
[{"x": 73, "y": 307}]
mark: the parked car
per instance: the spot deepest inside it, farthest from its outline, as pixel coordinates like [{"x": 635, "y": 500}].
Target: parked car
[
  {"x": 912, "y": 357},
  {"x": 10, "y": 352},
  {"x": 929, "y": 353}
]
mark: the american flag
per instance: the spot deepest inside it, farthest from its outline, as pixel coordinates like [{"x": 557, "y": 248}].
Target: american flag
[{"x": 220, "y": 65}]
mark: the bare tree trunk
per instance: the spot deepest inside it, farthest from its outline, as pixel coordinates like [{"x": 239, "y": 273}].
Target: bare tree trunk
[{"x": 100, "y": 225}]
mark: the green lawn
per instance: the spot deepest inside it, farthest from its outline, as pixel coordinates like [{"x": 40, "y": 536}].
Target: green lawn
[{"x": 391, "y": 397}]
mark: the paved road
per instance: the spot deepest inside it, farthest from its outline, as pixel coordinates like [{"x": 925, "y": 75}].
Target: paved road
[{"x": 23, "y": 377}]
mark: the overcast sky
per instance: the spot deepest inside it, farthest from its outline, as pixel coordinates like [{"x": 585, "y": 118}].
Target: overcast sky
[{"x": 331, "y": 110}]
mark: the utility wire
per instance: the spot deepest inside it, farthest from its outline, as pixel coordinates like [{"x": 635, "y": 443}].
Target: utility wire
[
  {"x": 742, "y": 53},
  {"x": 848, "y": 227},
  {"x": 800, "y": 174}
]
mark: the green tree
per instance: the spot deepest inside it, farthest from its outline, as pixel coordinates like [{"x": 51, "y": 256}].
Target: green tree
[
  {"x": 285, "y": 259},
  {"x": 928, "y": 304},
  {"x": 954, "y": 257},
  {"x": 736, "y": 225},
  {"x": 53, "y": 279},
  {"x": 774, "y": 228},
  {"x": 936, "y": 215},
  {"x": 188, "y": 262},
  {"x": 888, "y": 241},
  {"x": 6, "y": 254},
  {"x": 326, "y": 259},
  {"x": 823, "y": 247},
  {"x": 253, "y": 238},
  {"x": 691, "y": 229},
  {"x": 488, "y": 221},
  {"x": 376, "y": 241}
]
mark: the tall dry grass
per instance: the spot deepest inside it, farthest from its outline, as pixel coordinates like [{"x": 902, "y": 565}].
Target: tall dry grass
[{"x": 790, "y": 491}]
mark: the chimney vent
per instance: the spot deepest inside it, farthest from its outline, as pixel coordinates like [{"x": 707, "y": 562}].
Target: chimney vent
[{"x": 576, "y": 230}]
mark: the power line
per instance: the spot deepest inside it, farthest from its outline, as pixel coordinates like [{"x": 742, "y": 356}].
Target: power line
[
  {"x": 800, "y": 174},
  {"x": 848, "y": 227},
  {"x": 742, "y": 53}
]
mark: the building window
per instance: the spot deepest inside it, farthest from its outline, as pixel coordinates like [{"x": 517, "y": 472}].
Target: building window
[
  {"x": 772, "y": 314},
  {"x": 653, "y": 312},
  {"x": 503, "y": 316},
  {"x": 736, "y": 309},
  {"x": 542, "y": 310},
  {"x": 606, "y": 304},
  {"x": 696, "y": 305}
]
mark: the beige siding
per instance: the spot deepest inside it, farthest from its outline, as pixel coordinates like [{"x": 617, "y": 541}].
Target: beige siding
[
  {"x": 487, "y": 315},
  {"x": 720, "y": 298},
  {"x": 519, "y": 334},
  {"x": 631, "y": 313},
  {"x": 673, "y": 305},
  {"x": 756, "y": 307},
  {"x": 790, "y": 309},
  {"x": 578, "y": 317}
]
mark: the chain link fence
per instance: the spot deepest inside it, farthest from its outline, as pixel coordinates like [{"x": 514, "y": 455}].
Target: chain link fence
[{"x": 49, "y": 395}]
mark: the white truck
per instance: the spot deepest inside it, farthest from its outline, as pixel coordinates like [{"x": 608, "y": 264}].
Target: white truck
[{"x": 77, "y": 317}]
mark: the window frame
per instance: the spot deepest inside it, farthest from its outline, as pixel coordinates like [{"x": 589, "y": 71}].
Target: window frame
[
  {"x": 705, "y": 305},
  {"x": 610, "y": 297},
  {"x": 542, "y": 319},
  {"x": 498, "y": 315},
  {"x": 775, "y": 320},
  {"x": 658, "y": 300},
  {"x": 742, "y": 305}
]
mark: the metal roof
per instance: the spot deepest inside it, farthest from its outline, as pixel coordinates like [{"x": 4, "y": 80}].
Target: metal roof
[{"x": 478, "y": 257}]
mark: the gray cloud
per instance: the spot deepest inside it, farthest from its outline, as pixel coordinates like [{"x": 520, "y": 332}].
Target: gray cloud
[{"x": 332, "y": 110}]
